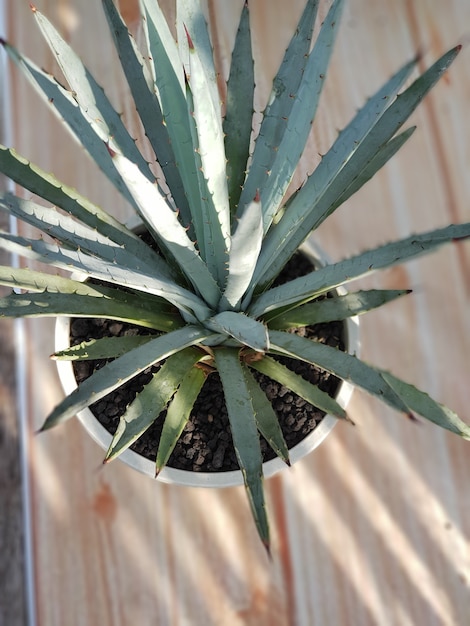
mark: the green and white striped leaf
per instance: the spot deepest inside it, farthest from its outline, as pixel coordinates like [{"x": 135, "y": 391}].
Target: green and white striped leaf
[
  {"x": 341, "y": 364},
  {"x": 179, "y": 411},
  {"x": 76, "y": 119},
  {"x": 206, "y": 223},
  {"x": 244, "y": 432},
  {"x": 303, "y": 388},
  {"x": 65, "y": 296},
  {"x": 70, "y": 259},
  {"x": 140, "y": 81},
  {"x": 90, "y": 95},
  {"x": 46, "y": 186},
  {"x": 190, "y": 19},
  {"x": 330, "y": 276},
  {"x": 419, "y": 402},
  {"x": 278, "y": 110},
  {"x": 25, "y": 278},
  {"x": 168, "y": 75},
  {"x": 46, "y": 304},
  {"x": 211, "y": 150},
  {"x": 267, "y": 421},
  {"x": 164, "y": 223},
  {"x": 299, "y": 122},
  {"x": 162, "y": 47},
  {"x": 244, "y": 252},
  {"x": 238, "y": 120},
  {"x": 246, "y": 330},
  {"x": 151, "y": 401},
  {"x": 119, "y": 371},
  {"x": 333, "y": 309},
  {"x": 104, "y": 348},
  {"x": 69, "y": 232}
]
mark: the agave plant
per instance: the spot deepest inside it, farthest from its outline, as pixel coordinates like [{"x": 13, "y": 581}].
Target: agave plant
[{"x": 218, "y": 214}]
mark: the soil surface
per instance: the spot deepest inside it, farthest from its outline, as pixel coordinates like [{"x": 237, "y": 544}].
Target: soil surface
[{"x": 206, "y": 442}]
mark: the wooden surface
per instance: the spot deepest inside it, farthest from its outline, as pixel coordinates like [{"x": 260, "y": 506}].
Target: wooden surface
[
  {"x": 12, "y": 598},
  {"x": 371, "y": 529},
  {"x": 12, "y": 604}
]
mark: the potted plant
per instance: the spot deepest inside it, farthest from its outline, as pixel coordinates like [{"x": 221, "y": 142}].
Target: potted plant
[{"x": 220, "y": 233}]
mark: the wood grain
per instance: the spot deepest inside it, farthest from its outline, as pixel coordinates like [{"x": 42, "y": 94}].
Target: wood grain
[{"x": 371, "y": 529}]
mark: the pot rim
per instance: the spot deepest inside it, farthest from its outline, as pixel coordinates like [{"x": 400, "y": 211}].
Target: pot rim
[{"x": 210, "y": 479}]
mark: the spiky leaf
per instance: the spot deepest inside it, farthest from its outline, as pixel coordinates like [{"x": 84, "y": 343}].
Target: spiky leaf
[
  {"x": 179, "y": 411},
  {"x": 244, "y": 432},
  {"x": 419, "y": 402},
  {"x": 151, "y": 401},
  {"x": 333, "y": 309},
  {"x": 238, "y": 118},
  {"x": 114, "y": 374}
]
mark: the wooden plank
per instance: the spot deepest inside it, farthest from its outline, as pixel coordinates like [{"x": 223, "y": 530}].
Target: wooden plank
[
  {"x": 372, "y": 528},
  {"x": 12, "y": 584}
]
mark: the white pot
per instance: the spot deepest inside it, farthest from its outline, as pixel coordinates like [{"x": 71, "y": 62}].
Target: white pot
[{"x": 209, "y": 479}]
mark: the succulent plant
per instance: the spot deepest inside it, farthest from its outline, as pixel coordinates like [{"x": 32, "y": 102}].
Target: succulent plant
[{"x": 214, "y": 201}]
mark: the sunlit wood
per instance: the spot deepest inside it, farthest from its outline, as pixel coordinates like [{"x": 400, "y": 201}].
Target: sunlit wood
[{"x": 371, "y": 529}]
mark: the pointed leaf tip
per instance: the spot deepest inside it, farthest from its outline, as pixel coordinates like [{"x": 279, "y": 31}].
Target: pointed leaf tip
[
  {"x": 32, "y": 7},
  {"x": 112, "y": 153},
  {"x": 190, "y": 41},
  {"x": 267, "y": 547}
]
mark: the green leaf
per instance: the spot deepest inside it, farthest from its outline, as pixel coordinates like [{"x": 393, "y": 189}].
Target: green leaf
[
  {"x": 238, "y": 119},
  {"x": 309, "y": 392},
  {"x": 76, "y": 119},
  {"x": 168, "y": 75},
  {"x": 69, "y": 259},
  {"x": 141, "y": 84},
  {"x": 421, "y": 403},
  {"x": 244, "y": 432},
  {"x": 211, "y": 243},
  {"x": 299, "y": 122},
  {"x": 341, "y": 364},
  {"x": 244, "y": 251},
  {"x": 125, "y": 309},
  {"x": 69, "y": 232},
  {"x": 179, "y": 411},
  {"x": 330, "y": 276},
  {"x": 104, "y": 348},
  {"x": 45, "y": 185},
  {"x": 91, "y": 96},
  {"x": 310, "y": 205},
  {"x": 266, "y": 418},
  {"x": 190, "y": 19},
  {"x": 333, "y": 309},
  {"x": 151, "y": 401},
  {"x": 166, "y": 62},
  {"x": 210, "y": 146},
  {"x": 286, "y": 84},
  {"x": 119, "y": 371},
  {"x": 381, "y": 157},
  {"x": 170, "y": 233},
  {"x": 25, "y": 278},
  {"x": 244, "y": 329}
]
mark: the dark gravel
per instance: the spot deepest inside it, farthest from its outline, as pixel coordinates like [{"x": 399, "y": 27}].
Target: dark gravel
[{"x": 206, "y": 443}]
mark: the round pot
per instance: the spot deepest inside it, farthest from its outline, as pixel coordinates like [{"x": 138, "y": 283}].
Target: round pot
[{"x": 210, "y": 479}]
